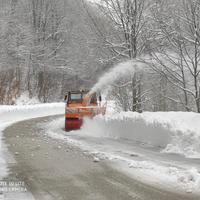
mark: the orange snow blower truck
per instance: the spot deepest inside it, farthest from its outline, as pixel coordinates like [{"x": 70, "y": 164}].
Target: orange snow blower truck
[{"x": 80, "y": 105}]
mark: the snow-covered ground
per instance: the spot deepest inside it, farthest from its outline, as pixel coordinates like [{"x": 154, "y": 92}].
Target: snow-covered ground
[
  {"x": 13, "y": 114},
  {"x": 24, "y": 99},
  {"x": 158, "y": 148}
]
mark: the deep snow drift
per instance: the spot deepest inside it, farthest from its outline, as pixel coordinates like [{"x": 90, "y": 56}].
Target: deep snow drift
[
  {"x": 176, "y": 132},
  {"x": 142, "y": 144}
]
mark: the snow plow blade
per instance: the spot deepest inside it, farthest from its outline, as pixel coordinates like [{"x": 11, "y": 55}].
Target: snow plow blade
[{"x": 73, "y": 124}]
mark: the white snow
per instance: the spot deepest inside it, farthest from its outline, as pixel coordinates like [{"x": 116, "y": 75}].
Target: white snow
[
  {"x": 138, "y": 144},
  {"x": 13, "y": 114},
  {"x": 120, "y": 70},
  {"x": 178, "y": 132},
  {"x": 24, "y": 99},
  {"x": 169, "y": 177},
  {"x": 154, "y": 147}
]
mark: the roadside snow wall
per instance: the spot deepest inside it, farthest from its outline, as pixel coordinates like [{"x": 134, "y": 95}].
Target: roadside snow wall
[
  {"x": 10, "y": 114},
  {"x": 175, "y": 132}
]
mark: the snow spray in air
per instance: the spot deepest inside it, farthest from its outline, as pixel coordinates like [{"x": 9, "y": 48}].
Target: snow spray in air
[{"x": 119, "y": 71}]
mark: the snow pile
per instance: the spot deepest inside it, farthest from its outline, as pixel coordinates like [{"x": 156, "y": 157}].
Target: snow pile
[
  {"x": 24, "y": 99},
  {"x": 135, "y": 143},
  {"x": 121, "y": 70},
  {"x": 13, "y": 114},
  {"x": 175, "y": 132},
  {"x": 186, "y": 179},
  {"x": 127, "y": 125}
]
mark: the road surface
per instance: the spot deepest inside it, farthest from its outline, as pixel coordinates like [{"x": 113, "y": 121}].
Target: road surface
[{"x": 55, "y": 170}]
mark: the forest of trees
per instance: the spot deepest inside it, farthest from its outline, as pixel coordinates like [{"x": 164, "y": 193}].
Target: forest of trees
[{"x": 49, "y": 47}]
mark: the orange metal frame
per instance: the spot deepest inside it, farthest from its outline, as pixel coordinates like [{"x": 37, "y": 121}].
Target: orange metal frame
[{"x": 76, "y": 112}]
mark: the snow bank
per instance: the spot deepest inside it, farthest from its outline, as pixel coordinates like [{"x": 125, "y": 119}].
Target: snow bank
[
  {"x": 127, "y": 126},
  {"x": 166, "y": 176},
  {"x": 175, "y": 132},
  {"x": 13, "y": 114},
  {"x": 135, "y": 143}
]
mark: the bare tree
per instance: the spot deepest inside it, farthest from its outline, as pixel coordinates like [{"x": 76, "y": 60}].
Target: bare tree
[
  {"x": 180, "y": 60},
  {"x": 124, "y": 36}
]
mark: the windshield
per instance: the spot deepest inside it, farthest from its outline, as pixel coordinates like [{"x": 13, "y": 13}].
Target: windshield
[{"x": 76, "y": 97}]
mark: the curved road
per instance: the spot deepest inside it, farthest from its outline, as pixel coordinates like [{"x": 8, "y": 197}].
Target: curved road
[{"x": 54, "y": 170}]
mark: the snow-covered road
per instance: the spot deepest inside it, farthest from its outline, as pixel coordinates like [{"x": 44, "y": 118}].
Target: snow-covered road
[
  {"x": 139, "y": 149},
  {"x": 56, "y": 169},
  {"x": 13, "y": 114},
  {"x": 160, "y": 149}
]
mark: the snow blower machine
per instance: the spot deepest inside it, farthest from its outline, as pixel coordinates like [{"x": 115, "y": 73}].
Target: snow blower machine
[{"x": 79, "y": 105}]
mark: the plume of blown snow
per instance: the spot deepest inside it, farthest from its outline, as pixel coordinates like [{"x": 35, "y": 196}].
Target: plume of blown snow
[{"x": 120, "y": 70}]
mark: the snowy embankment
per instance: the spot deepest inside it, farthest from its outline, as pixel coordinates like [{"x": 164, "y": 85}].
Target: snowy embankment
[
  {"x": 140, "y": 144},
  {"x": 178, "y": 132},
  {"x": 13, "y": 114},
  {"x": 154, "y": 147}
]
